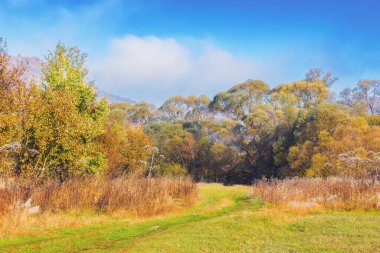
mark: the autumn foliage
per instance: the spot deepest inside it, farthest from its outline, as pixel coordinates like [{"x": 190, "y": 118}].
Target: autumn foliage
[
  {"x": 338, "y": 144},
  {"x": 127, "y": 149},
  {"x": 57, "y": 128}
]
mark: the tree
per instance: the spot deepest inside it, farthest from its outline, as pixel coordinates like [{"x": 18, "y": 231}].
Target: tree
[
  {"x": 317, "y": 74},
  {"x": 70, "y": 120},
  {"x": 238, "y": 101},
  {"x": 177, "y": 145},
  {"x": 174, "y": 109},
  {"x": 303, "y": 94},
  {"x": 346, "y": 97},
  {"x": 17, "y": 107},
  {"x": 127, "y": 149},
  {"x": 143, "y": 113},
  {"x": 369, "y": 92},
  {"x": 363, "y": 98},
  {"x": 330, "y": 140},
  {"x": 181, "y": 108},
  {"x": 120, "y": 112},
  {"x": 139, "y": 113},
  {"x": 12, "y": 89},
  {"x": 197, "y": 108}
]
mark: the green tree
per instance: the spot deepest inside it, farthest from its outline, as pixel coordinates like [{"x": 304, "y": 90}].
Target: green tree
[
  {"x": 70, "y": 120},
  {"x": 139, "y": 113},
  {"x": 239, "y": 101}
]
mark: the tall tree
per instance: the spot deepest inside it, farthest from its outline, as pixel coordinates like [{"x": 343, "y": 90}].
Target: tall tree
[
  {"x": 71, "y": 118},
  {"x": 365, "y": 97},
  {"x": 13, "y": 105},
  {"x": 317, "y": 74},
  {"x": 239, "y": 101},
  {"x": 369, "y": 92}
]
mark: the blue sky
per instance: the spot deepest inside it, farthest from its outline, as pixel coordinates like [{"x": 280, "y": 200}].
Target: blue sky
[{"x": 150, "y": 50}]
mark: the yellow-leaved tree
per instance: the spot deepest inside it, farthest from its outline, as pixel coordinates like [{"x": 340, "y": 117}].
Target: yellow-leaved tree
[
  {"x": 70, "y": 120},
  {"x": 127, "y": 149}
]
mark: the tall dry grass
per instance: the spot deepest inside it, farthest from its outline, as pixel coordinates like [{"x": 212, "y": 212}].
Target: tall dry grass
[
  {"x": 318, "y": 193},
  {"x": 135, "y": 195},
  {"x": 120, "y": 197}
]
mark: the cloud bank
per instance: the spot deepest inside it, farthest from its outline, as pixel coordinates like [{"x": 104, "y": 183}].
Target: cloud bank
[{"x": 152, "y": 68}]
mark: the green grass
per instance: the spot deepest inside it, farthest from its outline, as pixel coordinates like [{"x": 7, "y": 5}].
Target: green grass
[{"x": 224, "y": 221}]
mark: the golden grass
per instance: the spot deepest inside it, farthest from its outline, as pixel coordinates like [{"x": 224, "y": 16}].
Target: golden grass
[
  {"x": 90, "y": 200},
  {"x": 312, "y": 194}
]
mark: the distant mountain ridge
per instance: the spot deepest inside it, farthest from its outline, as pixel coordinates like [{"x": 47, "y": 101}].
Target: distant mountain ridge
[
  {"x": 34, "y": 65},
  {"x": 111, "y": 97},
  {"x": 34, "y": 70}
]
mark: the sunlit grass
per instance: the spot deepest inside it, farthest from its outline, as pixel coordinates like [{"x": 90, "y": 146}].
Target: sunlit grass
[{"x": 213, "y": 225}]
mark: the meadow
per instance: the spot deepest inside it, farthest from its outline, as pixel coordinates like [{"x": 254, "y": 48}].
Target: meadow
[{"x": 225, "y": 219}]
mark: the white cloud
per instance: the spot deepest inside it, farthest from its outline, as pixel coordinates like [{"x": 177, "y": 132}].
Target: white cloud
[
  {"x": 134, "y": 61},
  {"x": 152, "y": 68}
]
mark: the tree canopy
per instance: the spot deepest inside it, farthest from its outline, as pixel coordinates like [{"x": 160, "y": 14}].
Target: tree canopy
[{"x": 55, "y": 127}]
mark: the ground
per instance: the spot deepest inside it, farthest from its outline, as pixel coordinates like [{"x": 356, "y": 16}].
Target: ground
[{"x": 225, "y": 220}]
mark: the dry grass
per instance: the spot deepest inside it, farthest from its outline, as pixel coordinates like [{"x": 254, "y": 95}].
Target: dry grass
[
  {"x": 318, "y": 193},
  {"x": 90, "y": 200}
]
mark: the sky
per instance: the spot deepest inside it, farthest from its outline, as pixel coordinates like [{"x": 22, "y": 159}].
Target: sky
[{"x": 151, "y": 50}]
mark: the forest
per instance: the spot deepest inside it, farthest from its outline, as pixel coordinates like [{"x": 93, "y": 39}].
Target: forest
[{"x": 55, "y": 127}]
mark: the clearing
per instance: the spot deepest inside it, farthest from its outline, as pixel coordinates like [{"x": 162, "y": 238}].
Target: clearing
[{"x": 225, "y": 220}]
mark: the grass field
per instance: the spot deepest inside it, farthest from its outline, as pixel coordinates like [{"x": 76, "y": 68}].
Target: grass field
[{"x": 225, "y": 220}]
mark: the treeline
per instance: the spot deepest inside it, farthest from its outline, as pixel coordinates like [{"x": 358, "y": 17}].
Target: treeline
[
  {"x": 56, "y": 128},
  {"x": 254, "y": 131}
]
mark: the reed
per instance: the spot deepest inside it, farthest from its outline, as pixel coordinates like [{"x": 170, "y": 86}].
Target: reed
[
  {"x": 85, "y": 200},
  {"x": 331, "y": 193}
]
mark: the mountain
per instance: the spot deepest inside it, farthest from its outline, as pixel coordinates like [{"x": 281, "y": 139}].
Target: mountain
[
  {"x": 34, "y": 70},
  {"x": 34, "y": 65},
  {"x": 111, "y": 97}
]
